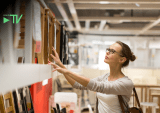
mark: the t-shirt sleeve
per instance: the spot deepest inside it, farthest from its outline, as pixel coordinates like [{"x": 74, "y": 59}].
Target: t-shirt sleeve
[
  {"x": 81, "y": 87},
  {"x": 118, "y": 87}
]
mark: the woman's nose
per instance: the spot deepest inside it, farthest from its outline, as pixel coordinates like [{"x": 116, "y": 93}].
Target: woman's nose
[{"x": 107, "y": 52}]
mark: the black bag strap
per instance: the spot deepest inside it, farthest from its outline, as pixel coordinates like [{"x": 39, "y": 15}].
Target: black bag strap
[
  {"x": 134, "y": 90},
  {"x": 97, "y": 105},
  {"x": 121, "y": 101}
]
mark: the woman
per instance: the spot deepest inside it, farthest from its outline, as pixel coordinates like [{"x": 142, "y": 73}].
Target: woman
[{"x": 107, "y": 86}]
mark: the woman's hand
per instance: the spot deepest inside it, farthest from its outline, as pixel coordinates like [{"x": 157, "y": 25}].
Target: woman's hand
[
  {"x": 57, "y": 68},
  {"x": 56, "y": 57}
]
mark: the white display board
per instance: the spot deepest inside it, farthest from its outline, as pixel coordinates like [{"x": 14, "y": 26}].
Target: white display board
[{"x": 20, "y": 75}]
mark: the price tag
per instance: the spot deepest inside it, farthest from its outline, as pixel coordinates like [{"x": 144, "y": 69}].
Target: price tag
[{"x": 38, "y": 47}]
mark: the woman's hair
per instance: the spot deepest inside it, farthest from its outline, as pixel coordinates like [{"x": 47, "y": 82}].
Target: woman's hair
[{"x": 126, "y": 52}]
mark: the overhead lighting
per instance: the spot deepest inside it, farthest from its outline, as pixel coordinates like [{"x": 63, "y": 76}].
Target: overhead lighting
[
  {"x": 103, "y": 2},
  {"x": 73, "y": 11},
  {"x": 97, "y": 42},
  {"x": 109, "y": 42},
  {"x": 137, "y": 4}
]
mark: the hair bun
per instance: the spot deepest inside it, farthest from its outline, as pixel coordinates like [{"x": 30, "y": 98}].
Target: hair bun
[{"x": 133, "y": 58}]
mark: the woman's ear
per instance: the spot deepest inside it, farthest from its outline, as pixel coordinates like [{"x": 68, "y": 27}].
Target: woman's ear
[{"x": 123, "y": 59}]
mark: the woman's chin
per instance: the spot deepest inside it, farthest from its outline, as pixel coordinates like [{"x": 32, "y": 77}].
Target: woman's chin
[{"x": 105, "y": 61}]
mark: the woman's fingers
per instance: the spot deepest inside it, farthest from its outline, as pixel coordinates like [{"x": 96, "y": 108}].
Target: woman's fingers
[
  {"x": 52, "y": 56},
  {"x": 54, "y": 70},
  {"x": 60, "y": 70},
  {"x": 56, "y": 54},
  {"x": 49, "y": 61},
  {"x": 54, "y": 65}
]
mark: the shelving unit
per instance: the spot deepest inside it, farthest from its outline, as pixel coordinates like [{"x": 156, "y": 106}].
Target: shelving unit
[{"x": 25, "y": 46}]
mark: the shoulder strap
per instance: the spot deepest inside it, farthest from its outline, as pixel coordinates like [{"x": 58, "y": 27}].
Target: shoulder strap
[
  {"x": 134, "y": 90},
  {"x": 96, "y": 105},
  {"x": 121, "y": 101}
]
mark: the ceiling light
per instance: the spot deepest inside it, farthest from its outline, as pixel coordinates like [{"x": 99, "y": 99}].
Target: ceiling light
[
  {"x": 109, "y": 42},
  {"x": 137, "y": 4},
  {"x": 103, "y": 2},
  {"x": 97, "y": 42}
]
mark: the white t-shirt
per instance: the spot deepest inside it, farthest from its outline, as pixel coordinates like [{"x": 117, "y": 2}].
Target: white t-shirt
[{"x": 108, "y": 91}]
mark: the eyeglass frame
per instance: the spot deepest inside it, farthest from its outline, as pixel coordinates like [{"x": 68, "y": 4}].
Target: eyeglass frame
[{"x": 114, "y": 51}]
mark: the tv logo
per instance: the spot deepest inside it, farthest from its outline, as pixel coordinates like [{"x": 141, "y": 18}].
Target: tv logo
[{"x": 14, "y": 15}]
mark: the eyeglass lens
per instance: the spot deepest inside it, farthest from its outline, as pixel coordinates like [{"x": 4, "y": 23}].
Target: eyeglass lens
[{"x": 111, "y": 51}]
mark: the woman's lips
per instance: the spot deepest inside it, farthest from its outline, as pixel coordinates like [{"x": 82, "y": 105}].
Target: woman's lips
[{"x": 106, "y": 57}]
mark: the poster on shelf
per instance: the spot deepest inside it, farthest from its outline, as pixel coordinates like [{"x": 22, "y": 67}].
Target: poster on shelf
[
  {"x": 17, "y": 26},
  {"x": 37, "y": 25}
]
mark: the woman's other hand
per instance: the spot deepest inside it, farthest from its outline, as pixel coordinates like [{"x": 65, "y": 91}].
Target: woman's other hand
[
  {"x": 56, "y": 57},
  {"x": 57, "y": 68}
]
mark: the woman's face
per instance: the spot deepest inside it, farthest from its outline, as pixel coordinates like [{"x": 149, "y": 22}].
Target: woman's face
[{"x": 113, "y": 58}]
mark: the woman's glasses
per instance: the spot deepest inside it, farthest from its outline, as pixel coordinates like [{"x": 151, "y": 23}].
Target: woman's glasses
[{"x": 112, "y": 51}]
